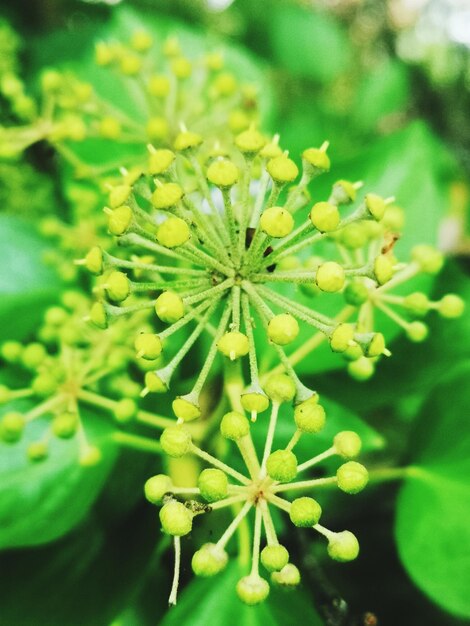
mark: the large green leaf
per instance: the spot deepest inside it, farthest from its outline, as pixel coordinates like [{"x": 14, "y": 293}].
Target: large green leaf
[
  {"x": 432, "y": 527},
  {"x": 27, "y": 286}
]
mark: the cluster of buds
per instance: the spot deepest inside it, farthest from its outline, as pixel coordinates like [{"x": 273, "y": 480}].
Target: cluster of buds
[{"x": 267, "y": 478}]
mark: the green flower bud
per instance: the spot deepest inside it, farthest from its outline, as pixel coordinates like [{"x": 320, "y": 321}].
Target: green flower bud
[
  {"x": 90, "y": 457},
  {"x": 55, "y": 316},
  {"x": 428, "y": 258},
  {"x": 157, "y": 128},
  {"x": 104, "y": 54},
  {"x": 289, "y": 576},
  {"x": 417, "y": 331},
  {"x": 283, "y": 329},
  {"x": 274, "y": 557},
  {"x": 118, "y": 195},
  {"x": 348, "y": 444},
  {"x": 361, "y": 369},
  {"x": 157, "y": 487},
  {"x": 98, "y": 315},
  {"x": 160, "y": 161},
  {"x": 383, "y": 269},
  {"x": 315, "y": 160},
  {"x": 375, "y": 205},
  {"x": 167, "y": 196},
  {"x": 213, "y": 484},
  {"x": 181, "y": 68},
  {"x": 305, "y": 512},
  {"x": 119, "y": 220},
  {"x": 169, "y": 307},
  {"x": 5, "y": 394},
  {"x": 209, "y": 560},
  {"x": 118, "y": 286},
  {"x": 44, "y": 385},
  {"x": 130, "y": 64},
  {"x": 225, "y": 84},
  {"x": 376, "y": 346},
  {"x": 125, "y": 410},
  {"x": 173, "y": 232},
  {"x": 141, "y": 41},
  {"x": 282, "y": 169},
  {"x": 271, "y": 150},
  {"x": 352, "y": 477},
  {"x": 343, "y": 546},
  {"x": 176, "y": 519},
  {"x": 155, "y": 383},
  {"x": 37, "y": 451},
  {"x": 233, "y": 345},
  {"x": 276, "y": 222},
  {"x": 33, "y": 355},
  {"x": 159, "y": 86},
  {"x": 250, "y": 141},
  {"x": 325, "y": 216},
  {"x": 451, "y": 306},
  {"x": 185, "y": 409},
  {"x": 234, "y": 426},
  {"x": 109, "y": 128},
  {"x": 417, "y": 304},
  {"x": 12, "y": 426},
  {"x": 94, "y": 260},
  {"x": 356, "y": 293},
  {"x": 353, "y": 353},
  {"x": 310, "y": 416},
  {"x": 11, "y": 351},
  {"x": 252, "y": 589},
  {"x": 223, "y": 174},
  {"x": 394, "y": 218},
  {"x": 254, "y": 400},
  {"x": 238, "y": 120},
  {"x": 282, "y": 466},
  {"x": 354, "y": 235},
  {"x": 330, "y": 277},
  {"x": 344, "y": 192},
  {"x": 341, "y": 337},
  {"x": 187, "y": 140},
  {"x": 65, "y": 425},
  {"x": 280, "y": 388},
  {"x": 175, "y": 441}
]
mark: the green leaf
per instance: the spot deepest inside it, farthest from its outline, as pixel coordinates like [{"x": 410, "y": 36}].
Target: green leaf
[
  {"x": 432, "y": 529},
  {"x": 27, "y": 286},
  {"x": 214, "y": 601},
  {"x": 40, "y": 502}
]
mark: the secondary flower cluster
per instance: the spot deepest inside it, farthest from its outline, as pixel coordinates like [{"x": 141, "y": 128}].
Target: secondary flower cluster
[{"x": 260, "y": 488}]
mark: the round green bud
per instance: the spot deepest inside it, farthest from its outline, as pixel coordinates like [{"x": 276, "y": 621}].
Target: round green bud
[
  {"x": 451, "y": 306},
  {"x": 356, "y": 293},
  {"x": 169, "y": 307},
  {"x": 175, "y": 441},
  {"x": 176, "y": 519},
  {"x": 173, "y": 232},
  {"x": 341, "y": 337},
  {"x": 55, "y": 316},
  {"x": 223, "y": 174},
  {"x": 376, "y": 346},
  {"x": 159, "y": 86},
  {"x": 109, "y": 128},
  {"x": 428, "y": 258},
  {"x": 353, "y": 353},
  {"x": 187, "y": 140},
  {"x": 157, "y": 128},
  {"x": 141, "y": 41},
  {"x": 209, "y": 560},
  {"x": 51, "y": 80},
  {"x": 274, "y": 557},
  {"x": 352, "y": 477},
  {"x": 250, "y": 141},
  {"x": 37, "y": 451},
  {"x": 348, "y": 444},
  {"x": 361, "y": 369},
  {"x": 282, "y": 466},
  {"x": 280, "y": 388},
  {"x": 5, "y": 394},
  {"x": 343, "y": 546},
  {"x": 238, "y": 120},
  {"x": 98, "y": 315},
  {"x": 213, "y": 484},
  {"x": 181, "y": 68},
  {"x": 125, "y": 410},
  {"x": 104, "y": 53},
  {"x": 65, "y": 425},
  {"x": 309, "y": 416},
  {"x": 254, "y": 401},
  {"x": 118, "y": 195},
  {"x": 166, "y": 196},
  {"x": 305, "y": 512},
  {"x": 225, "y": 84},
  {"x": 354, "y": 235},
  {"x": 289, "y": 576},
  {"x": 119, "y": 220},
  {"x": 154, "y": 383},
  {"x": 271, "y": 150},
  {"x": 233, "y": 345},
  {"x": 11, "y": 351},
  {"x": 283, "y": 329},
  {"x": 417, "y": 331},
  {"x": 160, "y": 161},
  {"x": 252, "y": 589},
  {"x": 394, "y": 218},
  {"x": 157, "y": 487},
  {"x": 383, "y": 269},
  {"x": 130, "y": 64},
  {"x": 276, "y": 222},
  {"x": 234, "y": 426},
  {"x": 90, "y": 457},
  {"x": 344, "y": 192},
  {"x": 282, "y": 169},
  {"x": 118, "y": 286},
  {"x": 417, "y": 304},
  {"x": 375, "y": 205},
  {"x": 33, "y": 355},
  {"x": 316, "y": 159},
  {"x": 330, "y": 277},
  {"x": 185, "y": 410},
  {"x": 12, "y": 426},
  {"x": 325, "y": 216},
  {"x": 44, "y": 385},
  {"x": 94, "y": 260}
]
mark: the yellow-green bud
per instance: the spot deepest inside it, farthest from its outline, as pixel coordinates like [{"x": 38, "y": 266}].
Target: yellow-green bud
[
  {"x": 352, "y": 477},
  {"x": 12, "y": 426},
  {"x": 341, "y": 337},
  {"x": 271, "y": 150},
  {"x": 355, "y": 235},
  {"x": 160, "y": 160},
  {"x": 175, "y": 441},
  {"x": 166, "y": 196},
  {"x": 187, "y": 140},
  {"x": 344, "y": 192},
  {"x": 234, "y": 426},
  {"x": 186, "y": 410},
  {"x": 276, "y": 222},
  {"x": 148, "y": 346},
  {"x": 223, "y": 174},
  {"x": 157, "y": 128},
  {"x": 181, "y": 67},
  {"x": 37, "y": 451},
  {"x": 417, "y": 331},
  {"x": 225, "y": 84},
  {"x": 417, "y": 304},
  {"x": 330, "y": 277},
  {"x": 173, "y": 232},
  {"x": 238, "y": 120},
  {"x": 118, "y": 286},
  {"x": 356, "y": 293},
  {"x": 5, "y": 394},
  {"x": 282, "y": 169},
  {"x": 376, "y": 346},
  {"x": 65, "y": 425},
  {"x": 169, "y": 307},
  {"x": 125, "y": 410},
  {"x": 280, "y": 388},
  {"x": 94, "y": 260},
  {"x": 348, "y": 444},
  {"x": 33, "y": 355},
  {"x": 361, "y": 369},
  {"x": 209, "y": 560},
  {"x": 109, "y": 128},
  {"x": 44, "y": 385},
  {"x": 343, "y": 546},
  {"x": 274, "y": 557},
  {"x": 254, "y": 400},
  {"x": 252, "y": 589},
  {"x": 283, "y": 329},
  {"x": 11, "y": 351},
  {"x": 176, "y": 519},
  {"x": 141, "y": 41},
  {"x": 98, "y": 315},
  {"x": 316, "y": 159},
  {"x": 428, "y": 258},
  {"x": 383, "y": 269},
  {"x": 213, "y": 484},
  {"x": 159, "y": 86},
  {"x": 233, "y": 345},
  {"x": 305, "y": 512},
  {"x": 325, "y": 216},
  {"x": 375, "y": 205},
  {"x": 130, "y": 64},
  {"x": 451, "y": 306},
  {"x": 282, "y": 466},
  {"x": 90, "y": 457},
  {"x": 289, "y": 576},
  {"x": 157, "y": 487},
  {"x": 119, "y": 220},
  {"x": 118, "y": 195},
  {"x": 250, "y": 141},
  {"x": 155, "y": 383},
  {"x": 309, "y": 416}
]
